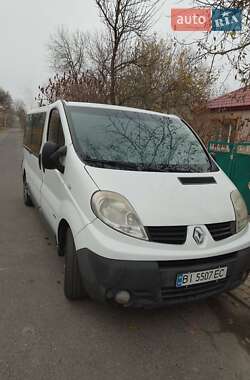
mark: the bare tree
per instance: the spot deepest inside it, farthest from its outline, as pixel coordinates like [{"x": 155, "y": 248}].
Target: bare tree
[
  {"x": 99, "y": 52},
  {"x": 233, "y": 45},
  {"x": 5, "y": 99},
  {"x": 67, "y": 51},
  {"x": 164, "y": 79},
  {"x": 20, "y": 112},
  {"x": 124, "y": 20},
  {"x": 6, "y": 109},
  {"x": 84, "y": 87}
]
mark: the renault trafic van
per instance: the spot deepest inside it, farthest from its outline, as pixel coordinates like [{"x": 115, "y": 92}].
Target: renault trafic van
[{"x": 141, "y": 212}]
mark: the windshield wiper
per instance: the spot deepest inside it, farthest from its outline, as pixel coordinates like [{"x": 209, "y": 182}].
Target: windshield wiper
[
  {"x": 128, "y": 165},
  {"x": 110, "y": 163},
  {"x": 169, "y": 169},
  {"x": 138, "y": 167}
]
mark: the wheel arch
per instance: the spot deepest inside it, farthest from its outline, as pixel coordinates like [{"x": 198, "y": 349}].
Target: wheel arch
[
  {"x": 61, "y": 232},
  {"x": 72, "y": 216}
]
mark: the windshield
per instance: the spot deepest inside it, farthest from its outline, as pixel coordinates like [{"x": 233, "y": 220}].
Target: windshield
[{"x": 129, "y": 140}]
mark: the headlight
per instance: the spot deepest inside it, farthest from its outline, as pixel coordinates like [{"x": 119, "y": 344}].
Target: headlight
[
  {"x": 115, "y": 211},
  {"x": 240, "y": 209}
]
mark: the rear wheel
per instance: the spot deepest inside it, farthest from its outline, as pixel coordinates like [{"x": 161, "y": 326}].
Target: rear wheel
[
  {"x": 73, "y": 288},
  {"x": 26, "y": 194}
]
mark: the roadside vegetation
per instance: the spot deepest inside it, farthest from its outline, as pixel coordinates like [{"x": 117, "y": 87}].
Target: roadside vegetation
[
  {"x": 233, "y": 47},
  {"x": 125, "y": 63},
  {"x": 12, "y": 113}
]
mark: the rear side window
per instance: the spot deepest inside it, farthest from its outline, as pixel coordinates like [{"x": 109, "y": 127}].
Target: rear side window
[
  {"x": 27, "y": 133},
  {"x": 37, "y": 122},
  {"x": 34, "y": 132},
  {"x": 55, "y": 130}
]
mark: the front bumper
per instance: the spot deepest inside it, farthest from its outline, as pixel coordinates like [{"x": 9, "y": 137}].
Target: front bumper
[
  {"x": 153, "y": 283},
  {"x": 109, "y": 243}
]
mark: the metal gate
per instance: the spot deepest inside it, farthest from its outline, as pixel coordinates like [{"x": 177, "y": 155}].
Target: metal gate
[{"x": 234, "y": 159}]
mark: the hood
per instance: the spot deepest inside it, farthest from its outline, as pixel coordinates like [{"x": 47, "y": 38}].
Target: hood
[{"x": 161, "y": 199}]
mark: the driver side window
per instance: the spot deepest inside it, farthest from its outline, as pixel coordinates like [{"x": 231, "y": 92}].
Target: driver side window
[{"x": 55, "y": 130}]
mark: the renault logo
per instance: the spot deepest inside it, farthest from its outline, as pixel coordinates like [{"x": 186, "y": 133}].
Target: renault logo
[{"x": 199, "y": 235}]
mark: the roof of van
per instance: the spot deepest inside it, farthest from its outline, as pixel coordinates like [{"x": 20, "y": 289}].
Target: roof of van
[{"x": 101, "y": 106}]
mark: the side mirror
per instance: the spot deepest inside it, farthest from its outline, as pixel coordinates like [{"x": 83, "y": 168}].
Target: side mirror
[{"x": 51, "y": 154}]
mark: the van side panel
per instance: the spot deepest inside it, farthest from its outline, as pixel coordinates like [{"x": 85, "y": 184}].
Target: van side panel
[
  {"x": 78, "y": 188},
  {"x": 67, "y": 195}
]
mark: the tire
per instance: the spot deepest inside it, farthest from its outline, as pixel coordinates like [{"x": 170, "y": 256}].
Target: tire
[
  {"x": 73, "y": 288},
  {"x": 26, "y": 194}
]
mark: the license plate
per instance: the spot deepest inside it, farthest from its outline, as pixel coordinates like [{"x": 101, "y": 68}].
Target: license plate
[{"x": 192, "y": 278}]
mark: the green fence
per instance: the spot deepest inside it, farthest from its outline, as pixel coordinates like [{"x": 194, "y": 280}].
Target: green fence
[{"x": 234, "y": 159}]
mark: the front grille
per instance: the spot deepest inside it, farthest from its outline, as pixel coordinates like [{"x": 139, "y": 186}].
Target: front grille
[
  {"x": 220, "y": 231},
  {"x": 173, "y": 295},
  {"x": 162, "y": 284},
  {"x": 168, "y": 235},
  {"x": 178, "y": 234},
  {"x": 186, "y": 264},
  {"x": 193, "y": 291}
]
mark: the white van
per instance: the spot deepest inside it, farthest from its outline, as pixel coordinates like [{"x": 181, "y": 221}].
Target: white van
[{"x": 140, "y": 210}]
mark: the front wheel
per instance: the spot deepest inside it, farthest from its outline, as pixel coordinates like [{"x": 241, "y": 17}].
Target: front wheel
[{"x": 73, "y": 288}]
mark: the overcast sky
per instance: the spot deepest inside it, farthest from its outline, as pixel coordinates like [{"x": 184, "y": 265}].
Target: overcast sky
[{"x": 25, "y": 28}]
